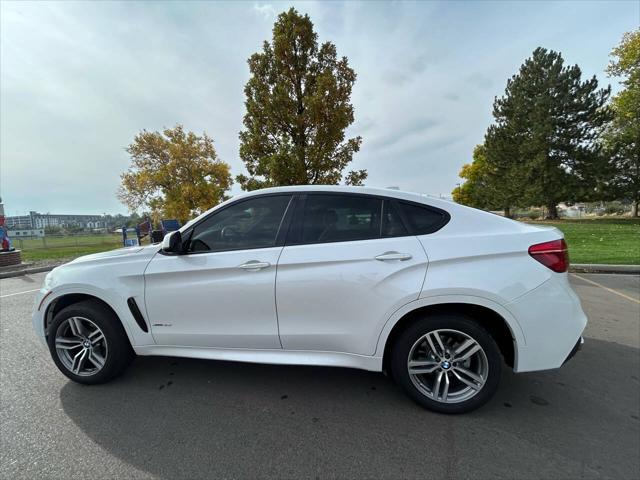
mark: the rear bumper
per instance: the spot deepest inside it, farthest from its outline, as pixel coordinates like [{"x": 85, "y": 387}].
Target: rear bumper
[{"x": 551, "y": 319}]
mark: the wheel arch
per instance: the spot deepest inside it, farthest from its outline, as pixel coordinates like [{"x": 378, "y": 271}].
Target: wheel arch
[
  {"x": 495, "y": 323},
  {"x": 65, "y": 300}
]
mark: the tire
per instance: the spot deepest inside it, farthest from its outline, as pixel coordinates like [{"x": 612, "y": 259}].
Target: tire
[
  {"x": 457, "y": 391},
  {"x": 92, "y": 328}
]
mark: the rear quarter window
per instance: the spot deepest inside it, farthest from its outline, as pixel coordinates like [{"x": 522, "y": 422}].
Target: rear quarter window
[{"x": 422, "y": 219}]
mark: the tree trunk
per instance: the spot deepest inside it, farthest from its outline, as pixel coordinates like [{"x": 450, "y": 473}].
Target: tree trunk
[
  {"x": 634, "y": 208},
  {"x": 552, "y": 213},
  {"x": 507, "y": 212}
]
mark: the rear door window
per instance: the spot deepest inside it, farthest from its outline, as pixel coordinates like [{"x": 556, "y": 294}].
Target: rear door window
[
  {"x": 340, "y": 218},
  {"x": 392, "y": 225}
]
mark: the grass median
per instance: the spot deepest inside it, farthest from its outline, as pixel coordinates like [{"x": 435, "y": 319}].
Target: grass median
[
  {"x": 65, "y": 247},
  {"x": 614, "y": 241}
]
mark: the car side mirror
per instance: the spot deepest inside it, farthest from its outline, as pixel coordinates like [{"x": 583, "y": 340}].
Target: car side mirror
[{"x": 172, "y": 243}]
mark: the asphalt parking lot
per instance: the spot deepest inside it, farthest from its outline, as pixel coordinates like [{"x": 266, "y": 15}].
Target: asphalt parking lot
[{"x": 177, "y": 418}]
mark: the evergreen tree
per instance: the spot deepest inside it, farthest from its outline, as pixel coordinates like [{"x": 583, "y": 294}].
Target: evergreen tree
[
  {"x": 544, "y": 143},
  {"x": 506, "y": 166}
]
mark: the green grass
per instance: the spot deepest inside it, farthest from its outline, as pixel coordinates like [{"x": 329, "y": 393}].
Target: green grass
[
  {"x": 613, "y": 241},
  {"x": 54, "y": 248}
]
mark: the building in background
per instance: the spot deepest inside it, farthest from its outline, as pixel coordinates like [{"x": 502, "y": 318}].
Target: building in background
[
  {"x": 39, "y": 233},
  {"x": 37, "y": 221}
]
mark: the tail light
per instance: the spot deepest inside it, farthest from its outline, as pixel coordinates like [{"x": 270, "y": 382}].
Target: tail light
[{"x": 553, "y": 255}]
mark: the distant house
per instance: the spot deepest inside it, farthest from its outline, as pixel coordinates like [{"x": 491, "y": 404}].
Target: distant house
[
  {"x": 37, "y": 220},
  {"x": 570, "y": 211},
  {"x": 37, "y": 233}
]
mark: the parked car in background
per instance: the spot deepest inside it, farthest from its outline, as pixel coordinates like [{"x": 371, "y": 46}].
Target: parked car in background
[{"x": 438, "y": 295}]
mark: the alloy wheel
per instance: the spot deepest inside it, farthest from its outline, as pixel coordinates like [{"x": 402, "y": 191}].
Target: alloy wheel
[
  {"x": 81, "y": 346},
  {"x": 447, "y": 366}
]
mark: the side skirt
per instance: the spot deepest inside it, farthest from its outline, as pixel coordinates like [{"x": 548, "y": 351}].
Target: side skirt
[{"x": 276, "y": 357}]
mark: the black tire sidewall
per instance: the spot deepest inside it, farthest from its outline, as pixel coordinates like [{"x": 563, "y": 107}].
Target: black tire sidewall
[
  {"x": 119, "y": 349},
  {"x": 404, "y": 342}
]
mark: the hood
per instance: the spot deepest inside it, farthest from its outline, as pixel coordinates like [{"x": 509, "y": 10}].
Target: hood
[
  {"x": 119, "y": 254},
  {"x": 105, "y": 268}
]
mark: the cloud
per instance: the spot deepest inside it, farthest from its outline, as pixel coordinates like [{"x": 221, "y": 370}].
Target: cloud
[
  {"x": 402, "y": 132},
  {"x": 419, "y": 64},
  {"x": 363, "y": 125},
  {"x": 480, "y": 80},
  {"x": 80, "y": 79},
  {"x": 406, "y": 70},
  {"x": 266, "y": 10}
]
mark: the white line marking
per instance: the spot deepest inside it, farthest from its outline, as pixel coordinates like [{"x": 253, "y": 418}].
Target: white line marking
[
  {"x": 610, "y": 290},
  {"x": 19, "y": 293}
]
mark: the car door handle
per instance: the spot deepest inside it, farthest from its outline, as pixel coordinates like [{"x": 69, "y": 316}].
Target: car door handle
[
  {"x": 254, "y": 265},
  {"x": 386, "y": 256}
]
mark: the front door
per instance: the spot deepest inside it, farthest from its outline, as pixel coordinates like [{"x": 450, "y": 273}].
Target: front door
[
  {"x": 221, "y": 293},
  {"x": 350, "y": 265}
]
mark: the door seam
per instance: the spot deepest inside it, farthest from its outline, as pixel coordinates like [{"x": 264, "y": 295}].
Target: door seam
[
  {"x": 424, "y": 279},
  {"x": 275, "y": 297}
]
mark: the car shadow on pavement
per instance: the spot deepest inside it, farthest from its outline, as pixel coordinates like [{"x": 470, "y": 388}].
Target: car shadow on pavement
[{"x": 183, "y": 418}]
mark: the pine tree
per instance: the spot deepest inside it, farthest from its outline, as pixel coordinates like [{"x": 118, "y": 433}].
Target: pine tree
[{"x": 544, "y": 143}]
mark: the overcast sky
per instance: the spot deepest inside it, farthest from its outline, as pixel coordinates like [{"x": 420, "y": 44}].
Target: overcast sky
[{"x": 79, "y": 80}]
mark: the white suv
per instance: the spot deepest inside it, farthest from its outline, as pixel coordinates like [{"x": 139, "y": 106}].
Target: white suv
[{"x": 434, "y": 293}]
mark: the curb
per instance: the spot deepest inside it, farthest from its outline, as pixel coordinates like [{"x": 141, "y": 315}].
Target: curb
[
  {"x": 13, "y": 268},
  {"x": 595, "y": 268},
  {"x": 26, "y": 271}
]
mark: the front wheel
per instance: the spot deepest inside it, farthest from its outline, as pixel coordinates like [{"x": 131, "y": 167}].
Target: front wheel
[
  {"x": 88, "y": 343},
  {"x": 447, "y": 363}
]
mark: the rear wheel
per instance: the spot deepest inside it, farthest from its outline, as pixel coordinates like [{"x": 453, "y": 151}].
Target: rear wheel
[
  {"x": 88, "y": 343},
  {"x": 447, "y": 363}
]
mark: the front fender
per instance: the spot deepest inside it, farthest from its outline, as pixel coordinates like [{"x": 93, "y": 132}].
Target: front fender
[
  {"x": 114, "y": 299},
  {"x": 112, "y": 277}
]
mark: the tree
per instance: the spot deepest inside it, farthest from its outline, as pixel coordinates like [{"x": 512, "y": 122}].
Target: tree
[
  {"x": 52, "y": 230},
  {"x": 544, "y": 143},
  {"x": 507, "y": 167},
  {"x": 484, "y": 185},
  {"x": 174, "y": 174},
  {"x": 479, "y": 189},
  {"x": 622, "y": 137},
  {"x": 74, "y": 229},
  {"x": 474, "y": 192},
  {"x": 298, "y": 107}
]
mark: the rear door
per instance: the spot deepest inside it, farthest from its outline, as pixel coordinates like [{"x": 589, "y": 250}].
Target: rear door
[{"x": 348, "y": 264}]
